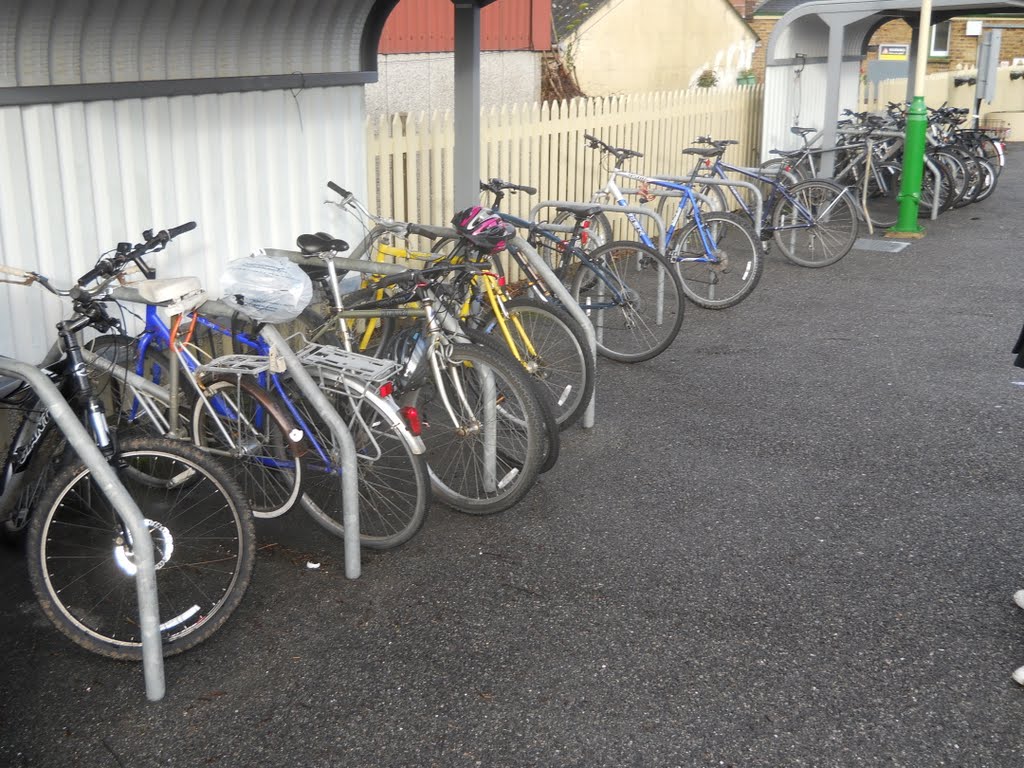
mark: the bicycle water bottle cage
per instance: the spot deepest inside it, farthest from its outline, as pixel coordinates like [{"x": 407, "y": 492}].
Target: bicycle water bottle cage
[{"x": 318, "y": 243}]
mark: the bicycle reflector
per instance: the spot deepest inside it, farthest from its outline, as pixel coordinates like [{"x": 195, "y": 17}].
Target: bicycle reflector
[
  {"x": 412, "y": 419},
  {"x": 387, "y": 389},
  {"x": 585, "y": 235}
]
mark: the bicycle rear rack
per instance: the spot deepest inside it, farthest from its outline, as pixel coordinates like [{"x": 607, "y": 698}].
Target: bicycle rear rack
[{"x": 329, "y": 362}]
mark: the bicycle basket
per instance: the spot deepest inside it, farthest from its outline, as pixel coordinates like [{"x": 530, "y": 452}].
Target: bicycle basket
[{"x": 266, "y": 288}]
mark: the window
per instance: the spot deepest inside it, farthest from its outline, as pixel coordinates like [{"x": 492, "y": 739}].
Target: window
[{"x": 940, "y": 39}]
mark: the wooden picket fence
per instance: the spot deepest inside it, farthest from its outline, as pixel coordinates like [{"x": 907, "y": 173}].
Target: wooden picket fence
[{"x": 410, "y": 156}]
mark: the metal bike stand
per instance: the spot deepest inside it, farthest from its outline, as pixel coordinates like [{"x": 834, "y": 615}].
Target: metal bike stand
[
  {"x": 124, "y": 505},
  {"x": 349, "y": 468},
  {"x": 571, "y": 306},
  {"x": 755, "y": 192}
]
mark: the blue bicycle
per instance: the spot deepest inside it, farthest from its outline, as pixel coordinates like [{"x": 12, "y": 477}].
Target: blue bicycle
[
  {"x": 813, "y": 222},
  {"x": 281, "y": 449},
  {"x": 716, "y": 254}
]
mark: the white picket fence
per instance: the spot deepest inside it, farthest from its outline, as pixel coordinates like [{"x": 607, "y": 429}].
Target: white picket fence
[{"x": 410, "y": 157}]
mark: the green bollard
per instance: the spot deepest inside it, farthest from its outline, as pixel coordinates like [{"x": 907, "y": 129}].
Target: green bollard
[{"x": 913, "y": 170}]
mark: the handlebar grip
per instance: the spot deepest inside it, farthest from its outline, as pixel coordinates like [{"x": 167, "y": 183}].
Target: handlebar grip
[
  {"x": 335, "y": 188},
  {"x": 180, "y": 230},
  {"x": 99, "y": 270},
  {"x": 528, "y": 190}
]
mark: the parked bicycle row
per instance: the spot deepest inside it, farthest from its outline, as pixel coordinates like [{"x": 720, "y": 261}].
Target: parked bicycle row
[
  {"x": 962, "y": 165},
  {"x": 448, "y": 382}
]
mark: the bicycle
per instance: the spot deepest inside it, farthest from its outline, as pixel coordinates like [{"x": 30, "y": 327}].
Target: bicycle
[
  {"x": 813, "y": 222},
  {"x": 631, "y": 294},
  {"x": 718, "y": 258},
  {"x": 80, "y": 560},
  {"x": 255, "y": 417},
  {"x": 482, "y": 420}
]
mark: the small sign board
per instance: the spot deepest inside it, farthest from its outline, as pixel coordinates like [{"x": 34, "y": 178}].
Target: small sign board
[{"x": 893, "y": 52}]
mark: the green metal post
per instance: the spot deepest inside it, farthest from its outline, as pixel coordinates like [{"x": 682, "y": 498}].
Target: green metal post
[{"x": 913, "y": 167}]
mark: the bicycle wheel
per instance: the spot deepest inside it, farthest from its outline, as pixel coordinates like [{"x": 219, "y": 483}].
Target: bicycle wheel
[
  {"x": 882, "y": 201},
  {"x": 992, "y": 150},
  {"x": 932, "y": 188},
  {"x": 709, "y": 197},
  {"x": 482, "y": 427},
  {"x": 552, "y": 444},
  {"x": 394, "y": 487},
  {"x": 729, "y": 273},
  {"x": 635, "y": 304},
  {"x": 957, "y": 174},
  {"x": 816, "y": 225},
  {"x": 554, "y": 351},
  {"x": 988, "y": 178},
  {"x": 246, "y": 427},
  {"x": 80, "y": 555},
  {"x": 972, "y": 166}
]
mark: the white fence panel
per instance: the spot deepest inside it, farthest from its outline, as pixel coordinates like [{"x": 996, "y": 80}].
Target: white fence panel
[
  {"x": 542, "y": 145},
  {"x": 251, "y": 169}
]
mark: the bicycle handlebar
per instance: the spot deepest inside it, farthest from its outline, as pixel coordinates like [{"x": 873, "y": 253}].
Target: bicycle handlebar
[
  {"x": 620, "y": 153},
  {"x": 109, "y": 267}
]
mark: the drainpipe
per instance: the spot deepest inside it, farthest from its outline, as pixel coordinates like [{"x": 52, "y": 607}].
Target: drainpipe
[{"x": 916, "y": 137}]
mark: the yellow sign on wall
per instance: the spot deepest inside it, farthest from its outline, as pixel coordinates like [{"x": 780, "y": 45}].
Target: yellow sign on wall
[{"x": 892, "y": 52}]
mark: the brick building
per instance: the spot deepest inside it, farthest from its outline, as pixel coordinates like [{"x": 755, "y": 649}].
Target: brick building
[{"x": 954, "y": 41}]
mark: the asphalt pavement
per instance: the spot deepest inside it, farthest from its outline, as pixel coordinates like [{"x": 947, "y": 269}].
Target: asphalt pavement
[{"x": 791, "y": 540}]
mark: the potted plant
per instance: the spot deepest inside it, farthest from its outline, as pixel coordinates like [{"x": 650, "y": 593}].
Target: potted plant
[
  {"x": 707, "y": 79},
  {"x": 746, "y": 77}
]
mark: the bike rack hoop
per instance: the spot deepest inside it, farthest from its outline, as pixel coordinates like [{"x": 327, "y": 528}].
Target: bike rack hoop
[
  {"x": 634, "y": 209},
  {"x": 126, "y": 508}
]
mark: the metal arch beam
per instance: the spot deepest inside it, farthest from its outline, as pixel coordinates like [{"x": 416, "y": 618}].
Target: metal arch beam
[
  {"x": 839, "y": 16},
  {"x": 893, "y": 8}
]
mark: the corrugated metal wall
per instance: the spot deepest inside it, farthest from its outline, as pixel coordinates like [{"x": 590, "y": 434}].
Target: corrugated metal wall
[
  {"x": 428, "y": 26},
  {"x": 251, "y": 169},
  {"x": 71, "y": 41}
]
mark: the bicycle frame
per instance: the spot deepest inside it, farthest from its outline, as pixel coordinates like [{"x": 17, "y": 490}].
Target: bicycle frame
[
  {"x": 720, "y": 169},
  {"x": 687, "y": 200}
]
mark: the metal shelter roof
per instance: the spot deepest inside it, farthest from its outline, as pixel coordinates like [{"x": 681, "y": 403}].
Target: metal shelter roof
[
  {"x": 815, "y": 50},
  {"x": 71, "y": 51}
]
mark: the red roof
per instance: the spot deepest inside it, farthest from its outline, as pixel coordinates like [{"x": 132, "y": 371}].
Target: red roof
[{"x": 428, "y": 26}]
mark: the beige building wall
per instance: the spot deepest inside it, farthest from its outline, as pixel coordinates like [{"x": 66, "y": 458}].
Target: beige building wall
[{"x": 635, "y": 46}]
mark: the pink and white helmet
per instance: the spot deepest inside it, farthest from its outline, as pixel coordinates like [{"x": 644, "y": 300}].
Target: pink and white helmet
[{"x": 484, "y": 228}]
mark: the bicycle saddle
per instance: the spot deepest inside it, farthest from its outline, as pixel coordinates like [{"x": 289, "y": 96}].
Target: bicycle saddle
[
  {"x": 321, "y": 242},
  {"x": 580, "y": 211},
  {"x": 801, "y": 131},
  {"x": 704, "y": 151}
]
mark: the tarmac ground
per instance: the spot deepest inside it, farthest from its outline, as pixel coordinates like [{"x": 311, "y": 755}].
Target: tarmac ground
[{"x": 791, "y": 540}]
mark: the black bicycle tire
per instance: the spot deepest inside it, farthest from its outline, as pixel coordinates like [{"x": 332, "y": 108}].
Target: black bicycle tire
[
  {"x": 520, "y": 467},
  {"x": 611, "y": 254},
  {"x": 586, "y": 376},
  {"x": 201, "y": 468},
  {"x": 753, "y": 265},
  {"x": 394, "y": 499},
  {"x": 989, "y": 172},
  {"x": 843, "y": 247},
  {"x": 552, "y": 434},
  {"x": 256, "y": 479}
]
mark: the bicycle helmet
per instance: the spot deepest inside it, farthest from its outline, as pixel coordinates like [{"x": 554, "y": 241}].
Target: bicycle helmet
[{"x": 484, "y": 228}]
